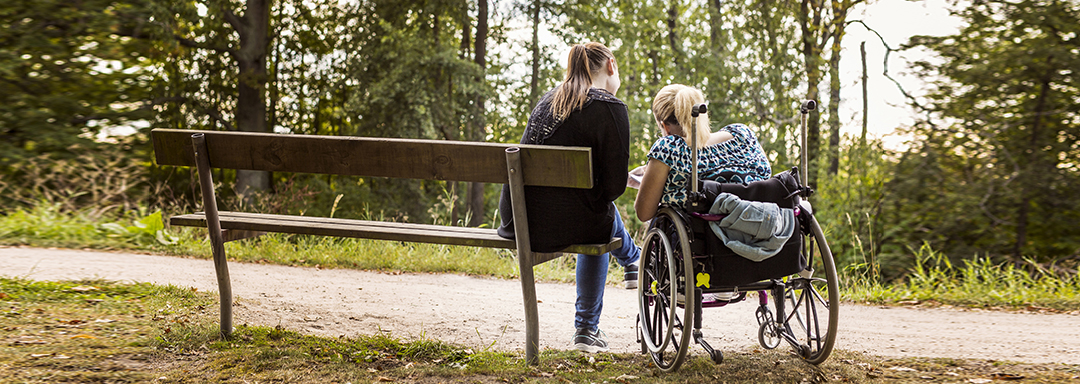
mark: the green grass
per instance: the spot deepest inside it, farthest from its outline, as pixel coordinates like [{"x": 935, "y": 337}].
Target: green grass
[
  {"x": 108, "y": 332},
  {"x": 978, "y": 283}
]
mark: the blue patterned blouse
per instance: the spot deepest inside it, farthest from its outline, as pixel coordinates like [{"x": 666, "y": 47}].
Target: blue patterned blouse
[{"x": 739, "y": 160}]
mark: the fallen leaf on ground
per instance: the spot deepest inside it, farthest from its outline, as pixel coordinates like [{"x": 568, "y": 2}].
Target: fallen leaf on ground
[
  {"x": 1006, "y": 376},
  {"x": 29, "y": 341},
  {"x": 83, "y": 336}
]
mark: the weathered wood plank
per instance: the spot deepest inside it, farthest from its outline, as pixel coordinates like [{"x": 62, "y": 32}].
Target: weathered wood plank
[
  {"x": 378, "y": 230},
  {"x": 378, "y": 157}
]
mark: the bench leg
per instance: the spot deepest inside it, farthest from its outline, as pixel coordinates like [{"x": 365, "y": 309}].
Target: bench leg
[
  {"x": 526, "y": 258},
  {"x": 213, "y": 225},
  {"x": 532, "y": 315}
]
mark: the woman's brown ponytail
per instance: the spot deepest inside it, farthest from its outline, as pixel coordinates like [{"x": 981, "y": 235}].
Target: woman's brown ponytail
[{"x": 585, "y": 60}]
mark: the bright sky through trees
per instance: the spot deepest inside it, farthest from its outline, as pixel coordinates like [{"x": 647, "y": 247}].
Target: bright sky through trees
[{"x": 896, "y": 21}]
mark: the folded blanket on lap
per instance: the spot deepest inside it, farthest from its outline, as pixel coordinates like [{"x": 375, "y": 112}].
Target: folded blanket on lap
[{"x": 752, "y": 229}]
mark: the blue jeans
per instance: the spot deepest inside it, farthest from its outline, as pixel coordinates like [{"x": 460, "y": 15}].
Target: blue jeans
[{"x": 592, "y": 276}]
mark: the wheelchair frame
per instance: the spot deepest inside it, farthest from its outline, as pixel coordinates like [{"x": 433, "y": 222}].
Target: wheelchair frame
[{"x": 804, "y": 309}]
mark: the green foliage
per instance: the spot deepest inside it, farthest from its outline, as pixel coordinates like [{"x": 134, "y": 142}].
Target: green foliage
[
  {"x": 994, "y": 168},
  {"x": 46, "y": 225},
  {"x": 148, "y": 230},
  {"x": 741, "y": 55},
  {"x": 848, "y": 206},
  {"x": 68, "y": 70},
  {"x": 977, "y": 282}
]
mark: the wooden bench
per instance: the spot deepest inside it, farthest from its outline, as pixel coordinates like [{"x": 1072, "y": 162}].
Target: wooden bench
[{"x": 516, "y": 165}]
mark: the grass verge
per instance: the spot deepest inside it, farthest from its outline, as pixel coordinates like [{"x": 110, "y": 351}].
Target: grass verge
[
  {"x": 976, "y": 283},
  {"x": 106, "y": 332}
]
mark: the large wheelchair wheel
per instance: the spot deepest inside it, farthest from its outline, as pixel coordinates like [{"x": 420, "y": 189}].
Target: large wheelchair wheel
[
  {"x": 812, "y": 303},
  {"x": 666, "y": 283}
]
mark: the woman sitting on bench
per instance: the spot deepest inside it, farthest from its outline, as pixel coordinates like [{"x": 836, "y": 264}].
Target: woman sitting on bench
[{"x": 582, "y": 112}]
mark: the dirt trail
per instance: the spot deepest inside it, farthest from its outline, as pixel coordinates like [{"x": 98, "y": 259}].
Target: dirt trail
[{"x": 482, "y": 312}]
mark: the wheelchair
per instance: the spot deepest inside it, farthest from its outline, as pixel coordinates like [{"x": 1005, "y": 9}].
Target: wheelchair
[{"x": 682, "y": 261}]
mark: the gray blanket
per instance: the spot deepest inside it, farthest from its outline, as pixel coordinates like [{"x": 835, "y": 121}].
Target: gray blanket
[{"x": 752, "y": 229}]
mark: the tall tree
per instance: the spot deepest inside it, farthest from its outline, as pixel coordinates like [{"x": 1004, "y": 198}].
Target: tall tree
[
  {"x": 534, "y": 49},
  {"x": 478, "y": 122},
  {"x": 838, "y": 23},
  {"x": 248, "y": 50},
  {"x": 821, "y": 25},
  {"x": 253, "y": 28},
  {"x": 1005, "y": 131},
  {"x": 814, "y": 35}
]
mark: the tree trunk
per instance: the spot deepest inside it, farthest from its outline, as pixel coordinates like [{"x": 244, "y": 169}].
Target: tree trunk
[
  {"x": 1032, "y": 171},
  {"x": 810, "y": 22},
  {"x": 253, "y": 28},
  {"x": 839, "y": 9},
  {"x": 673, "y": 38},
  {"x": 476, "y": 190},
  {"x": 865, "y": 100},
  {"x": 716, "y": 28},
  {"x": 534, "y": 81}
]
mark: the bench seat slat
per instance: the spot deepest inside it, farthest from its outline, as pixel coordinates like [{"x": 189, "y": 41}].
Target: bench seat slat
[{"x": 378, "y": 230}]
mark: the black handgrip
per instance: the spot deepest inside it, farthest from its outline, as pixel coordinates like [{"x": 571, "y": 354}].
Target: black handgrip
[{"x": 698, "y": 109}]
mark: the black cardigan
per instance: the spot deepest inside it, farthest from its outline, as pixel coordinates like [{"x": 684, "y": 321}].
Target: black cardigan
[{"x": 559, "y": 217}]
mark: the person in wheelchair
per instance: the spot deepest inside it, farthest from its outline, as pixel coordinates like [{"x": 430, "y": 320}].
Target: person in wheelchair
[
  {"x": 730, "y": 155},
  {"x": 688, "y": 261}
]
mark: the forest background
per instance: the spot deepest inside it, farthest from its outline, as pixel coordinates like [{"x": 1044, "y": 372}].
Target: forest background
[{"x": 988, "y": 168}]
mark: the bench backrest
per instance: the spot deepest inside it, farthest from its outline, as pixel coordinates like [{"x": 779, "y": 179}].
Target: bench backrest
[{"x": 551, "y": 166}]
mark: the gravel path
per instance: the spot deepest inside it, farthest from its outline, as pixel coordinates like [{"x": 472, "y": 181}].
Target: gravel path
[{"x": 481, "y": 312}]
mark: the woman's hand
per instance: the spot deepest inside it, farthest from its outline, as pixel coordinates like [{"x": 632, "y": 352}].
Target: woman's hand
[{"x": 633, "y": 178}]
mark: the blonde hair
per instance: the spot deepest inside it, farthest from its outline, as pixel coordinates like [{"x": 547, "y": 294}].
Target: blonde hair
[
  {"x": 585, "y": 60},
  {"x": 673, "y": 105}
]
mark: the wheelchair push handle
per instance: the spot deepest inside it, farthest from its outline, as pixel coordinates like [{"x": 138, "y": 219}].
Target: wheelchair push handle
[
  {"x": 696, "y": 198},
  {"x": 804, "y": 109},
  {"x": 698, "y": 109}
]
